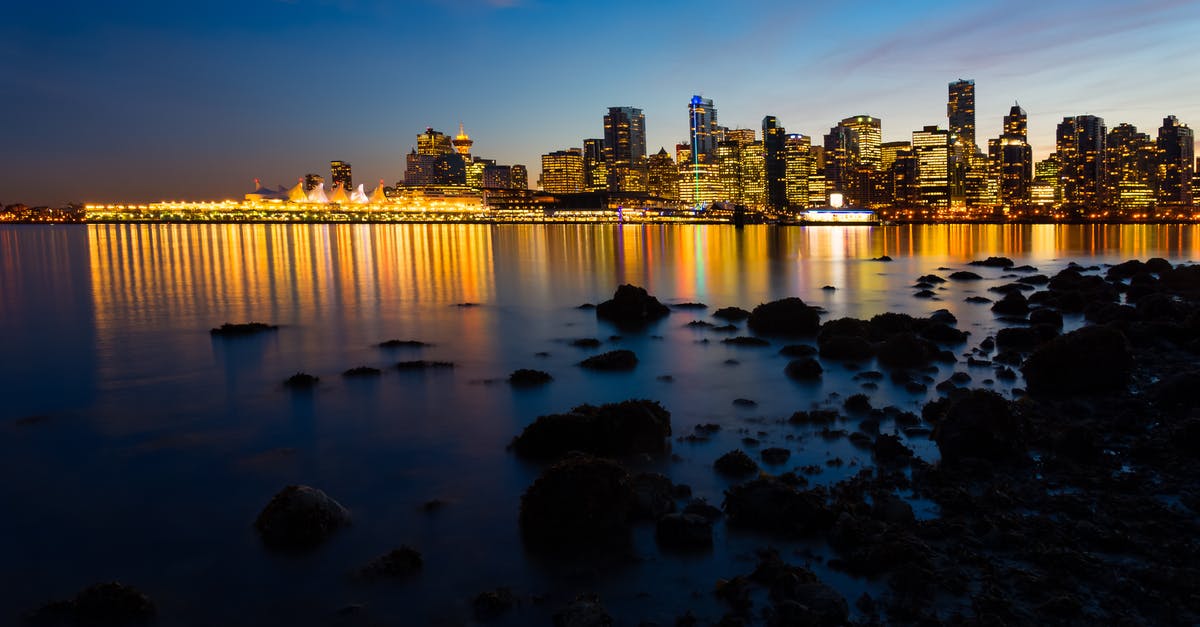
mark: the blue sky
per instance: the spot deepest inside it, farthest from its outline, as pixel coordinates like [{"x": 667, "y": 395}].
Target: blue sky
[{"x": 148, "y": 100}]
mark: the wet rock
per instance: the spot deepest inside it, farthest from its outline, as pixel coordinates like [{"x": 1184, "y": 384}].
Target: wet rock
[
  {"x": 613, "y": 429},
  {"x": 735, "y": 464},
  {"x": 493, "y": 604},
  {"x": 775, "y": 455},
  {"x": 699, "y": 324},
  {"x": 888, "y": 449},
  {"x": 1105, "y": 313},
  {"x": 845, "y": 347},
  {"x": 690, "y": 306},
  {"x": 943, "y": 316},
  {"x": 858, "y": 403},
  {"x": 1047, "y": 317},
  {"x": 579, "y": 502},
  {"x": 805, "y": 369},
  {"x": 1013, "y": 304},
  {"x": 403, "y": 344},
  {"x": 701, "y": 508},
  {"x": 731, "y": 362},
  {"x": 745, "y": 402},
  {"x": 362, "y": 372},
  {"x": 653, "y": 495},
  {"x": 301, "y": 381},
  {"x": 965, "y": 275},
  {"x": 770, "y": 505},
  {"x": 525, "y": 377},
  {"x": 979, "y": 424},
  {"x": 586, "y": 342},
  {"x": 242, "y": 329},
  {"x": 979, "y": 300},
  {"x": 1158, "y": 265},
  {"x": 931, "y": 278},
  {"x": 788, "y": 316},
  {"x": 300, "y": 517},
  {"x": 421, "y": 364},
  {"x": 612, "y": 360},
  {"x": 584, "y": 611},
  {"x": 994, "y": 262},
  {"x": 724, "y": 328},
  {"x": 684, "y": 531},
  {"x": 467, "y": 305},
  {"x": 742, "y": 340},
  {"x": 1006, "y": 374},
  {"x": 798, "y": 350},
  {"x": 906, "y": 350},
  {"x": 828, "y": 288},
  {"x": 1091, "y": 359},
  {"x": 881, "y": 258},
  {"x": 943, "y": 333},
  {"x": 631, "y": 306},
  {"x": 731, "y": 314},
  {"x": 1034, "y": 279},
  {"x": 1177, "y": 391},
  {"x": 395, "y": 564},
  {"x": 586, "y": 306},
  {"x": 1023, "y": 338},
  {"x": 892, "y": 510},
  {"x": 813, "y": 417},
  {"x": 924, "y": 294},
  {"x": 107, "y": 604},
  {"x": 1126, "y": 270}
]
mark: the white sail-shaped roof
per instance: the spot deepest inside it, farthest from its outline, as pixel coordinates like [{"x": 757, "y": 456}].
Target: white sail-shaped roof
[
  {"x": 358, "y": 196},
  {"x": 317, "y": 194},
  {"x": 338, "y": 194},
  {"x": 377, "y": 196},
  {"x": 297, "y": 193}
]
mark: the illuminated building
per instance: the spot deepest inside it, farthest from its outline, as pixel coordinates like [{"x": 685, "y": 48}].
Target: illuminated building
[
  {"x": 663, "y": 176},
  {"x": 1130, "y": 159},
  {"x": 497, "y": 177},
  {"x": 311, "y": 181},
  {"x": 462, "y": 143},
  {"x": 562, "y": 171},
  {"x": 475, "y": 171},
  {"x": 960, "y": 109},
  {"x": 433, "y": 143},
  {"x": 888, "y": 152},
  {"x": 449, "y": 169},
  {"x": 728, "y": 166},
  {"x": 340, "y": 174},
  {"x": 775, "y": 163},
  {"x": 519, "y": 176},
  {"x": 595, "y": 170},
  {"x": 1177, "y": 154},
  {"x": 1016, "y": 122},
  {"x": 625, "y": 149},
  {"x": 1011, "y": 159},
  {"x": 841, "y": 150},
  {"x": 867, "y": 137},
  {"x": 418, "y": 169},
  {"x": 1043, "y": 194},
  {"x": 741, "y": 135},
  {"x": 931, "y": 146},
  {"x": 904, "y": 189},
  {"x": 1046, "y": 175},
  {"x": 702, "y": 127},
  {"x": 699, "y": 183},
  {"x": 754, "y": 175},
  {"x": 1080, "y": 142},
  {"x": 798, "y": 168}
]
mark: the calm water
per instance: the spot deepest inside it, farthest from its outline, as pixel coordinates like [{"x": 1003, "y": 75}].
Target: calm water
[{"x": 133, "y": 446}]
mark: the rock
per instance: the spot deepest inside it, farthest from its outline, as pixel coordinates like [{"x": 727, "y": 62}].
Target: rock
[
  {"x": 613, "y": 429},
  {"x": 888, "y": 449},
  {"x": 1013, "y": 304},
  {"x": 631, "y": 306},
  {"x": 924, "y": 294},
  {"x": 814, "y": 417},
  {"x": 931, "y": 278},
  {"x": 1158, "y": 265},
  {"x": 768, "y": 504},
  {"x": 888, "y": 324},
  {"x": 943, "y": 316},
  {"x": 881, "y": 258},
  {"x": 242, "y": 329},
  {"x": 586, "y": 306},
  {"x": 805, "y": 369},
  {"x": 994, "y": 262},
  {"x": 906, "y": 350},
  {"x": 1177, "y": 390},
  {"x": 301, "y": 381},
  {"x": 403, "y": 344},
  {"x": 1034, "y": 279},
  {"x": 735, "y": 464},
  {"x": 699, "y": 324},
  {"x": 731, "y": 314},
  {"x": 579, "y": 502},
  {"x": 613, "y": 360},
  {"x": 586, "y": 342},
  {"x": 858, "y": 403},
  {"x": 525, "y": 377},
  {"x": 1088, "y": 360},
  {"x": 102, "y": 605},
  {"x": 362, "y": 372},
  {"x": 701, "y": 508},
  {"x": 978, "y": 424},
  {"x": 692, "y": 306},
  {"x": 492, "y": 604},
  {"x": 653, "y": 495},
  {"x": 395, "y": 564},
  {"x": 1125, "y": 270},
  {"x": 684, "y": 531},
  {"x": 828, "y": 288},
  {"x": 844, "y": 347},
  {"x": 979, "y": 300},
  {"x": 421, "y": 364},
  {"x": 742, "y": 340},
  {"x": 789, "y": 316},
  {"x": 584, "y": 611},
  {"x": 1024, "y": 338},
  {"x": 943, "y": 333},
  {"x": 775, "y": 455},
  {"x": 300, "y": 517},
  {"x": 965, "y": 275},
  {"x": 798, "y": 350},
  {"x": 1047, "y": 317},
  {"x": 467, "y": 305}
]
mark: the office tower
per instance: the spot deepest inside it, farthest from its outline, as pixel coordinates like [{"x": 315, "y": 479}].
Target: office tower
[
  {"x": 462, "y": 143},
  {"x": 931, "y": 147},
  {"x": 497, "y": 177},
  {"x": 433, "y": 143},
  {"x": 754, "y": 175},
  {"x": 311, "y": 181},
  {"x": 888, "y": 152},
  {"x": 663, "y": 176},
  {"x": 868, "y": 135},
  {"x": 475, "y": 171},
  {"x": 339, "y": 172},
  {"x": 595, "y": 170},
  {"x": 775, "y": 162},
  {"x": 841, "y": 149},
  {"x": 1080, "y": 141},
  {"x": 1046, "y": 174},
  {"x": 1016, "y": 122},
  {"x": 702, "y": 126},
  {"x": 1130, "y": 162},
  {"x": 903, "y": 186},
  {"x": 624, "y": 135},
  {"x": 960, "y": 109},
  {"x": 798, "y": 168},
  {"x": 562, "y": 171},
  {"x": 741, "y": 135},
  {"x": 418, "y": 169},
  {"x": 728, "y": 160},
  {"x": 449, "y": 169},
  {"x": 519, "y": 176},
  {"x": 1177, "y": 154},
  {"x": 1011, "y": 159}
]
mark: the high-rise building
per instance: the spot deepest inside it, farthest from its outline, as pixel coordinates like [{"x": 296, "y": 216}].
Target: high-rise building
[
  {"x": 702, "y": 127},
  {"x": 1011, "y": 159},
  {"x": 595, "y": 170},
  {"x": 754, "y": 175},
  {"x": 1177, "y": 154},
  {"x": 904, "y": 188},
  {"x": 449, "y": 169},
  {"x": 475, "y": 171},
  {"x": 519, "y": 176},
  {"x": 1016, "y": 122},
  {"x": 663, "y": 176},
  {"x": 799, "y": 162},
  {"x": 868, "y": 135},
  {"x": 1047, "y": 176},
  {"x": 624, "y": 135},
  {"x": 888, "y": 152},
  {"x": 562, "y": 171},
  {"x": 960, "y": 109},
  {"x": 497, "y": 177},
  {"x": 1080, "y": 141},
  {"x": 433, "y": 143},
  {"x": 311, "y": 181},
  {"x": 931, "y": 146},
  {"x": 340, "y": 174},
  {"x": 1130, "y": 162},
  {"x": 728, "y": 169},
  {"x": 775, "y": 161},
  {"x": 841, "y": 150},
  {"x": 462, "y": 142},
  {"x": 418, "y": 168}
]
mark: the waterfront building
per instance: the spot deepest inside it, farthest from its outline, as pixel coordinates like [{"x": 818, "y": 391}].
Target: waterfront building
[
  {"x": 1080, "y": 142},
  {"x": 475, "y": 171},
  {"x": 1046, "y": 175},
  {"x": 1011, "y": 159},
  {"x": 774, "y": 163},
  {"x": 1177, "y": 155},
  {"x": 624, "y": 136},
  {"x": 418, "y": 169},
  {"x": 841, "y": 150},
  {"x": 462, "y": 143},
  {"x": 904, "y": 188},
  {"x": 663, "y": 176},
  {"x": 497, "y": 177},
  {"x": 1130, "y": 164},
  {"x": 699, "y": 183},
  {"x": 702, "y": 127},
  {"x": 519, "y": 176},
  {"x": 798, "y": 170},
  {"x": 931, "y": 145},
  {"x": 449, "y": 169},
  {"x": 433, "y": 143},
  {"x": 960, "y": 110},
  {"x": 595, "y": 170},
  {"x": 562, "y": 171},
  {"x": 340, "y": 174},
  {"x": 754, "y": 175},
  {"x": 867, "y": 133},
  {"x": 311, "y": 181},
  {"x": 888, "y": 152}
]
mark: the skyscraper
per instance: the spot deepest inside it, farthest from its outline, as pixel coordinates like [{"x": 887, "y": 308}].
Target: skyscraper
[
  {"x": 663, "y": 176},
  {"x": 960, "y": 109},
  {"x": 625, "y": 149},
  {"x": 1177, "y": 152},
  {"x": 340, "y": 173},
  {"x": 702, "y": 125},
  {"x": 1130, "y": 162},
  {"x": 562, "y": 171},
  {"x": 775, "y": 162},
  {"x": 841, "y": 150},
  {"x": 311, "y": 181},
  {"x": 868, "y": 135},
  {"x": 798, "y": 161},
  {"x": 519, "y": 176},
  {"x": 931, "y": 146},
  {"x": 1011, "y": 158},
  {"x": 595, "y": 170},
  {"x": 1080, "y": 141},
  {"x": 433, "y": 143}
]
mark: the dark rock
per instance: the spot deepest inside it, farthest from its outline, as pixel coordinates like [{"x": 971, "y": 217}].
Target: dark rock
[
  {"x": 301, "y": 381},
  {"x": 768, "y": 504},
  {"x": 421, "y": 364},
  {"x": 692, "y": 306},
  {"x": 828, "y": 288},
  {"x": 731, "y": 314},
  {"x": 684, "y": 531},
  {"x": 1177, "y": 391},
  {"x": 631, "y": 306},
  {"x": 931, "y": 278},
  {"x": 1034, "y": 279},
  {"x": 653, "y": 495},
  {"x": 581, "y": 501},
  {"x": 881, "y": 258},
  {"x": 584, "y": 611},
  {"x": 888, "y": 324},
  {"x": 403, "y": 344},
  {"x": 924, "y": 294},
  {"x": 586, "y": 306},
  {"x": 735, "y": 464},
  {"x": 1010, "y": 357},
  {"x": 845, "y": 347},
  {"x": 892, "y": 510},
  {"x": 242, "y": 329},
  {"x": 943, "y": 333},
  {"x": 798, "y": 350},
  {"x": 994, "y": 262},
  {"x": 788, "y": 316},
  {"x": 906, "y": 350},
  {"x": 965, "y": 275},
  {"x": 858, "y": 403},
  {"x": 1091, "y": 359},
  {"x": 745, "y": 402},
  {"x": 613, "y": 429},
  {"x": 1013, "y": 304},
  {"x": 889, "y": 449},
  {"x": 1106, "y": 312},
  {"x": 1158, "y": 265},
  {"x": 665, "y": 378},
  {"x": 300, "y": 517},
  {"x": 814, "y": 417},
  {"x": 699, "y": 507},
  {"x": 612, "y": 360},
  {"x": 1025, "y": 268},
  {"x": 109, "y": 604},
  {"x": 362, "y": 371},
  {"x": 978, "y": 424},
  {"x": 525, "y": 377},
  {"x": 1024, "y": 338},
  {"x": 921, "y": 285},
  {"x": 586, "y": 342},
  {"x": 977, "y": 299},
  {"x": 700, "y": 324},
  {"x": 395, "y": 564},
  {"x": 467, "y": 305},
  {"x": 724, "y": 328},
  {"x": 743, "y": 340},
  {"x": 1047, "y": 317},
  {"x": 775, "y": 455},
  {"x": 1125, "y": 270},
  {"x": 805, "y": 369},
  {"x": 943, "y": 316},
  {"x": 493, "y": 604}
]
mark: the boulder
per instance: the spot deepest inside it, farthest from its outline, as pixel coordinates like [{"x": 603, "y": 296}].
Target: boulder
[
  {"x": 490, "y": 605},
  {"x": 906, "y": 350},
  {"x": 653, "y": 495},
  {"x": 242, "y": 329},
  {"x": 612, "y": 360},
  {"x": 979, "y": 424},
  {"x": 1126, "y": 270},
  {"x": 525, "y": 377},
  {"x": 965, "y": 275},
  {"x": 395, "y": 564},
  {"x": 775, "y": 455},
  {"x": 362, "y": 372},
  {"x": 735, "y": 464},
  {"x": 931, "y": 278},
  {"x": 743, "y": 340},
  {"x": 631, "y": 306},
  {"x": 888, "y": 449},
  {"x": 102, "y": 605},
  {"x": 1089, "y": 360},
  {"x": 580, "y": 502},
  {"x": 943, "y": 333},
  {"x": 300, "y": 517},
  {"x": 684, "y": 531},
  {"x": 994, "y": 262},
  {"x": 771, "y": 505},
  {"x": 885, "y": 325},
  {"x": 613, "y": 429},
  {"x": 789, "y": 316},
  {"x": 584, "y": 611},
  {"x": 731, "y": 314},
  {"x": 845, "y": 347},
  {"x": 1013, "y": 304},
  {"x": 301, "y": 381},
  {"x": 1047, "y": 317},
  {"x": 804, "y": 369},
  {"x": 1158, "y": 265},
  {"x": 1024, "y": 338},
  {"x": 798, "y": 350}
]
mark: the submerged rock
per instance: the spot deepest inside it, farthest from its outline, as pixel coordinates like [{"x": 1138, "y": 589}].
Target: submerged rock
[
  {"x": 584, "y": 611},
  {"x": 397, "y": 563},
  {"x": 581, "y": 501},
  {"x": 1088, "y": 360},
  {"x": 492, "y": 604},
  {"x": 403, "y": 344},
  {"x": 653, "y": 495},
  {"x": 965, "y": 275},
  {"x": 805, "y": 369},
  {"x": 586, "y": 342},
  {"x": 300, "y": 517},
  {"x": 613, "y": 429},
  {"x": 771, "y": 505},
  {"x": 631, "y": 306},
  {"x": 743, "y": 340},
  {"x": 978, "y": 424},
  {"x": 731, "y": 314},
  {"x": 242, "y": 329},
  {"x": 362, "y": 372},
  {"x": 735, "y": 464},
  {"x": 788, "y": 316},
  {"x": 526, "y": 377},
  {"x": 684, "y": 531},
  {"x": 1013, "y": 304},
  {"x": 102, "y": 605},
  {"x": 613, "y": 360},
  {"x": 906, "y": 350},
  {"x": 301, "y": 381},
  {"x": 994, "y": 262},
  {"x": 421, "y": 364}
]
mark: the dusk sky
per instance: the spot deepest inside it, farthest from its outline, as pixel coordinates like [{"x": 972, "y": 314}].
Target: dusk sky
[{"x": 150, "y": 100}]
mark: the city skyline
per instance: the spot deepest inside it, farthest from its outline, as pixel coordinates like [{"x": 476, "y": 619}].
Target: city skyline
[{"x": 113, "y": 128}]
